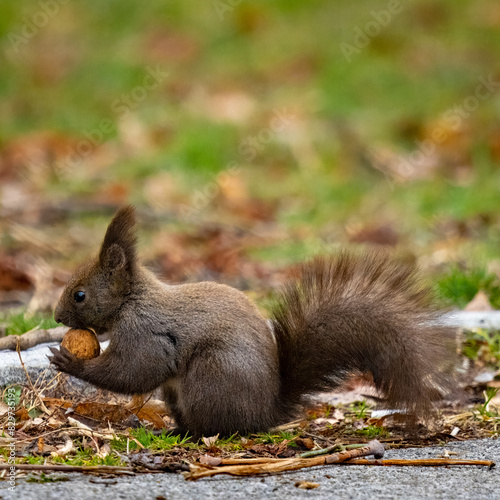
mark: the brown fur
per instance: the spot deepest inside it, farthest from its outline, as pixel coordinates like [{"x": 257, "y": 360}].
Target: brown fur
[
  {"x": 361, "y": 313},
  {"x": 214, "y": 355}
]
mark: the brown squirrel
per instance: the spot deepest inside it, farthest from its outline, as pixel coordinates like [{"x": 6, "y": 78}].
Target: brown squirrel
[{"x": 221, "y": 365}]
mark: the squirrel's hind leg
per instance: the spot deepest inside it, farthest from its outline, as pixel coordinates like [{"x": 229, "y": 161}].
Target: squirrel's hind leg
[{"x": 223, "y": 397}]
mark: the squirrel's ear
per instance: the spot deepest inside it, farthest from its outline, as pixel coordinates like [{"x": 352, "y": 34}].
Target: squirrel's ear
[{"x": 118, "y": 248}]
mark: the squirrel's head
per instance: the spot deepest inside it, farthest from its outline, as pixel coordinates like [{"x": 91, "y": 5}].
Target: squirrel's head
[{"x": 99, "y": 288}]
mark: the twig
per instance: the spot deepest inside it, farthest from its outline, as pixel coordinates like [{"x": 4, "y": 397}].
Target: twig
[
  {"x": 32, "y": 338},
  {"x": 329, "y": 449},
  {"x": 280, "y": 465},
  {"x": 315, "y": 436},
  {"x": 322, "y": 451},
  {"x": 42, "y": 404},
  {"x": 210, "y": 461},
  {"x": 31, "y": 438},
  {"x": 70, "y": 468},
  {"x": 424, "y": 462},
  {"x": 285, "y": 427}
]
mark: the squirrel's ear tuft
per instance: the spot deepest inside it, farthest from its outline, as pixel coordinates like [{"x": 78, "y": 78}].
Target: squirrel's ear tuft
[{"x": 118, "y": 249}]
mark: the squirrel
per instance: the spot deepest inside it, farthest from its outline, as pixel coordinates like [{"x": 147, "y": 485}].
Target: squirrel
[{"x": 223, "y": 367}]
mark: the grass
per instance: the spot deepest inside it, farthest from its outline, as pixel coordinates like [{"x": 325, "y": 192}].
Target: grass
[
  {"x": 88, "y": 457},
  {"x": 18, "y": 323},
  {"x": 165, "y": 441},
  {"x": 484, "y": 410},
  {"x": 80, "y": 457},
  {"x": 387, "y": 95},
  {"x": 225, "y": 78},
  {"x": 44, "y": 478},
  {"x": 31, "y": 459},
  {"x": 459, "y": 286},
  {"x": 483, "y": 346},
  {"x": 278, "y": 437},
  {"x": 360, "y": 409},
  {"x": 373, "y": 432}
]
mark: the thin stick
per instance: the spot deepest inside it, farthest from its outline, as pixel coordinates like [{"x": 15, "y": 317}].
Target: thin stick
[
  {"x": 285, "y": 427},
  {"x": 329, "y": 449},
  {"x": 70, "y": 468},
  {"x": 213, "y": 461},
  {"x": 197, "y": 472},
  {"x": 216, "y": 461},
  {"x": 31, "y": 438},
  {"x": 280, "y": 465},
  {"x": 42, "y": 404},
  {"x": 424, "y": 462}
]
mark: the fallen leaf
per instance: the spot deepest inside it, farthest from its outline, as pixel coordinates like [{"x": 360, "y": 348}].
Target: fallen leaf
[
  {"x": 480, "y": 302},
  {"x": 104, "y": 451},
  {"x": 150, "y": 415},
  {"x": 306, "y": 485},
  {"x": 65, "y": 449},
  {"x": 4, "y": 408},
  {"x": 12, "y": 275},
  {"x": 40, "y": 443},
  {"x": 22, "y": 415},
  {"x": 210, "y": 461},
  {"x": 307, "y": 443},
  {"x": 112, "y": 413},
  {"x": 377, "y": 235},
  {"x": 210, "y": 441},
  {"x": 168, "y": 45}
]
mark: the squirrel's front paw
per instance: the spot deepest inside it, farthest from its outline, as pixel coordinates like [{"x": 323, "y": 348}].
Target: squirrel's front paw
[{"x": 65, "y": 361}]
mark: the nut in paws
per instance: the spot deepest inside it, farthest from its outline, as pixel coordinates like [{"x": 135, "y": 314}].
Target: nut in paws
[{"x": 65, "y": 361}]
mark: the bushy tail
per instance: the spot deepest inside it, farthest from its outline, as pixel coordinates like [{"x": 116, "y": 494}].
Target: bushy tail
[{"x": 360, "y": 313}]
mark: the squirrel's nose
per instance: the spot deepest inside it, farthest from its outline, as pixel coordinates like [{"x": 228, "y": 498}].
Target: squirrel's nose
[{"x": 58, "y": 315}]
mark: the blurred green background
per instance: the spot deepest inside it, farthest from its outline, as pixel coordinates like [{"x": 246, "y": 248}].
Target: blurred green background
[{"x": 251, "y": 135}]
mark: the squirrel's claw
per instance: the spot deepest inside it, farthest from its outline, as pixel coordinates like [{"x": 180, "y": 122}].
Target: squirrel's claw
[{"x": 63, "y": 360}]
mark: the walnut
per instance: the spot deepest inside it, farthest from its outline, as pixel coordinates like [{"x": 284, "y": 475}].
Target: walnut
[{"x": 82, "y": 343}]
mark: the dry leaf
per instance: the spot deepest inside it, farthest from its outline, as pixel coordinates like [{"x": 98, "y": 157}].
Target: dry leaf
[
  {"x": 33, "y": 156},
  {"x": 22, "y": 415},
  {"x": 112, "y": 413},
  {"x": 167, "y": 45},
  {"x": 480, "y": 302},
  {"x": 376, "y": 235},
  {"x": 147, "y": 413},
  {"x": 75, "y": 423},
  {"x": 210, "y": 441},
  {"x": 232, "y": 106},
  {"x": 66, "y": 449},
  {"x": 13, "y": 275},
  {"x": 4, "y": 408},
  {"x": 40, "y": 443},
  {"x": 306, "y": 485},
  {"x": 104, "y": 451},
  {"x": 305, "y": 443},
  {"x": 210, "y": 461}
]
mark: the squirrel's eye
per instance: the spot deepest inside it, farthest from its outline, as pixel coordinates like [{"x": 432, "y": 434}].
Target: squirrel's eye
[{"x": 79, "y": 296}]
